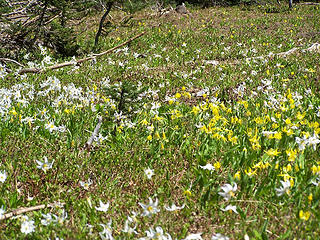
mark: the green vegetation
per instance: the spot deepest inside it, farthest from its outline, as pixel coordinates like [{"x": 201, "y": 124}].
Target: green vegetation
[{"x": 188, "y": 120}]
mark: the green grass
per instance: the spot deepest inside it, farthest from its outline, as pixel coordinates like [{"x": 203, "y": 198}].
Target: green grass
[{"x": 178, "y": 114}]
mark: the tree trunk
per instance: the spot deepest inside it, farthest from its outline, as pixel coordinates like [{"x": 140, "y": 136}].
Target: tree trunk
[
  {"x": 290, "y": 4},
  {"x": 109, "y": 6}
]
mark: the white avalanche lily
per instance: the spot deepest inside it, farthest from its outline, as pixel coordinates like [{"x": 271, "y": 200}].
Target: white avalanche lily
[
  {"x": 316, "y": 182},
  {"x": 209, "y": 167},
  {"x": 46, "y": 165},
  {"x": 158, "y": 234},
  {"x": 47, "y": 219},
  {"x": 228, "y": 191},
  {"x": 128, "y": 229},
  {"x": 27, "y": 226},
  {"x": 284, "y": 189},
  {"x": 174, "y": 207},
  {"x": 3, "y": 176},
  {"x": 149, "y": 172},
  {"x": 106, "y": 233},
  {"x": 149, "y": 209},
  {"x": 314, "y": 140},
  {"x": 230, "y": 208},
  {"x": 86, "y": 185},
  {"x": 103, "y": 207}
]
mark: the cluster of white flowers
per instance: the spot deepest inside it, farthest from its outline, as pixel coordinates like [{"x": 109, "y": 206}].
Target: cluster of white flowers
[
  {"x": 3, "y": 71},
  {"x": 51, "y": 127},
  {"x": 106, "y": 233},
  {"x": 131, "y": 220},
  {"x": 54, "y": 219},
  {"x": 308, "y": 141},
  {"x": 27, "y": 226}
]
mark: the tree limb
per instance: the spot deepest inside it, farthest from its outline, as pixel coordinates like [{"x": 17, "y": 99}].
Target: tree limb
[
  {"x": 308, "y": 3},
  {"x": 65, "y": 64},
  {"x": 11, "y": 60},
  {"x": 20, "y": 211}
]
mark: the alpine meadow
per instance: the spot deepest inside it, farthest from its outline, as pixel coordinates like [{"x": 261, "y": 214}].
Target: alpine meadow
[{"x": 151, "y": 120}]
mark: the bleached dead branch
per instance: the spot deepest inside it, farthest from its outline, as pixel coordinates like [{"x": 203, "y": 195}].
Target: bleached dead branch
[
  {"x": 314, "y": 48},
  {"x": 20, "y": 211},
  {"x": 71, "y": 63}
]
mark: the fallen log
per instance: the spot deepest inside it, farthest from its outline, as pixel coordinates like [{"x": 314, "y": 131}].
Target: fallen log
[
  {"x": 314, "y": 48},
  {"x": 308, "y": 3},
  {"x": 72, "y": 63}
]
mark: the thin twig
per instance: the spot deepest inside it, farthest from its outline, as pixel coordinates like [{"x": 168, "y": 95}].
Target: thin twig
[
  {"x": 29, "y": 21},
  {"x": 20, "y": 211},
  {"x": 14, "y": 12},
  {"x": 272, "y": 233},
  {"x": 11, "y": 60},
  {"x": 255, "y": 201},
  {"x": 53, "y": 18},
  {"x": 65, "y": 64},
  {"x": 94, "y": 133}
]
